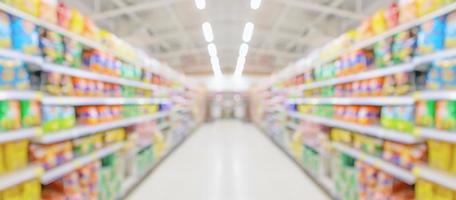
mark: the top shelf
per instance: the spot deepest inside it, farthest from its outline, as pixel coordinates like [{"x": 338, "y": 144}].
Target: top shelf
[
  {"x": 53, "y": 27},
  {"x": 408, "y": 25}
]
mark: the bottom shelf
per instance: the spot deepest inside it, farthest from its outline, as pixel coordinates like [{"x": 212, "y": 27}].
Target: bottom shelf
[
  {"x": 130, "y": 183},
  {"x": 324, "y": 183},
  {"x": 17, "y": 177}
]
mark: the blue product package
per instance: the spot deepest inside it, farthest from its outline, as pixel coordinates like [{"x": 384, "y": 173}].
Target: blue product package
[
  {"x": 24, "y": 36},
  {"x": 450, "y": 31},
  {"x": 5, "y": 31},
  {"x": 431, "y": 35}
]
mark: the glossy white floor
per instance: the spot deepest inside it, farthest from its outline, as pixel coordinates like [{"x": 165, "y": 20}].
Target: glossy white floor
[{"x": 228, "y": 160}]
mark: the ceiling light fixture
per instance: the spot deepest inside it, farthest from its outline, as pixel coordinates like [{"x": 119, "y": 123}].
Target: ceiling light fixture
[
  {"x": 212, "y": 49},
  {"x": 207, "y": 32},
  {"x": 216, "y": 66},
  {"x": 248, "y": 32},
  {"x": 200, "y": 4},
  {"x": 239, "y": 66},
  {"x": 215, "y": 61},
  {"x": 243, "y": 50},
  {"x": 255, "y": 4}
]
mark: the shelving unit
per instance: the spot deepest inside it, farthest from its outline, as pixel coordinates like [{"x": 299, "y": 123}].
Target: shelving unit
[
  {"x": 87, "y": 130},
  {"x": 16, "y": 177},
  {"x": 57, "y": 172},
  {"x": 437, "y": 176},
  {"x": 20, "y": 134},
  {"x": 80, "y": 101},
  {"x": 398, "y": 172},
  {"x": 311, "y": 84},
  {"x": 376, "y": 131}
]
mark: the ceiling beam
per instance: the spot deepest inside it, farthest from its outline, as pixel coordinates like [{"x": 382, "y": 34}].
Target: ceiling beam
[
  {"x": 133, "y": 9},
  {"x": 308, "y": 5}
]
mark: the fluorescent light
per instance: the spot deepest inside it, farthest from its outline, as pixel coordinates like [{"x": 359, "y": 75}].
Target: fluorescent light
[
  {"x": 207, "y": 32},
  {"x": 200, "y": 4},
  {"x": 239, "y": 66},
  {"x": 216, "y": 66},
  {"x": 243, "y": 50},
  {"x": 212, "y": 50},
  {"x": 248, "y": 32},
  {"x": 255, "y": 4}
]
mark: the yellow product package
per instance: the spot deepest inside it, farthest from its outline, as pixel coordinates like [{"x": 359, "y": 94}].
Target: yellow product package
[
  {"x": 16, "y": 155},
  {"x": 439, "y": 154},
  {"x": 442, "y": 193},
  {"x": 31, "y": 190},
  {"x": 2, "y": 160},
  {"x": 424, "y": 190},
  {"x": 13, "y": 193}
]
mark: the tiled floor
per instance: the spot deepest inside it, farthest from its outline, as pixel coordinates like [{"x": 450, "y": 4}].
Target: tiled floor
[{"x": 228, "y": 160}]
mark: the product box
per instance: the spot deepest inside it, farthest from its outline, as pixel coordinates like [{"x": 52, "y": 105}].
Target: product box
[
  {"x": 10, "y": 116},
  {"x": 24, "y": 36},
  {"x": 431, "y": 36}
]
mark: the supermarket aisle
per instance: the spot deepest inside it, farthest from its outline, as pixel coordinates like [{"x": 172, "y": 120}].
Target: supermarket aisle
[{"x": 228, "y": 160}]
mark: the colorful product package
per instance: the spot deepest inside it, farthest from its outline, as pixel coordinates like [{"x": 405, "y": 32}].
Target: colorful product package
[
  {"x": 425, "y": 113},
  {"x": 450, "y": 30},
  {"x": 66, "y": 86},
  {"x": 404, "y": 83},
  {"x": 427, "y": 6},
  {"x": 31, "y": 190},
  {"x": 442, "y": 75},
  {"x": 439, "y": 154},
  {"x": 445, "y": 115},
  {"x": 408, "y": 10},
  {"x": 30, "y": 113},
  {"x": 52, "y": 84},
  {"x": 431, "y": 36},
  {"x": 388, "y": 116},
  {"x": 87, "y": 115},
  {"x": 424, "y": 190},
  {"x": 383, "y": 52},
  {"x": 442, "y": 193},
  {"x": 378, "y": 22},
  {"x": 405, "y": 118},
  {"x": 13, "y": 75},
  {"x": 24, "y": 36},
  {"x": 48, "y": 10},
  {"x": 5, "y": 31},
  {"x": 51, "y": 46},
  {"x": 28, "y": 6},
  {"x": 67, "y": 117},
  {"x": 9, "y": 115},
  {"x": 51, "y": 115},
  {"x": 404, "y": 46},
  {"x": 16, "y": 154},
  {"x": 392, "y": 16},
  {"x": 76, "y": 22},
  {"x": 72, "y": 52},
  {"x": 63, "y": 15},
  {"x": 2, "y": 161}
]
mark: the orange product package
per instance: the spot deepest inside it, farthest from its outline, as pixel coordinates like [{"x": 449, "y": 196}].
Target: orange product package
[
  {"x": 87, "y": 115},
  {"x": 365, "y": 30},
  {"x": 91, "y": 88},
  {"x": 375, "y": 86},
  {"x": 80, "y": 86},
  {"x": 104, "y": 114},
  {"x": 48, "y": 10},
  {"x": 99, "y": 89},
  {"x": 91, "y": 30},
  {"x": 351, "y": 113},
  {"x": 368, "y": 115},
  {"x": 408, "y": 10},
  {"x": 356, "y": 88}
]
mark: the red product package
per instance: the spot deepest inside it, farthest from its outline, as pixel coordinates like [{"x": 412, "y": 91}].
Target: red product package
[
  {"x": 63, "y": 15},
  {"x": 392, "y": 16}
]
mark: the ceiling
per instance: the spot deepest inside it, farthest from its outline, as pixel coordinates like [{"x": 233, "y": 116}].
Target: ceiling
[{"x": 170, "y": 30}]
